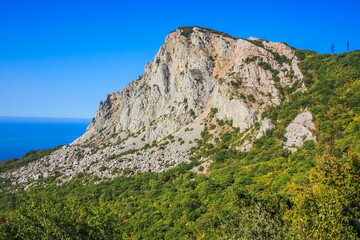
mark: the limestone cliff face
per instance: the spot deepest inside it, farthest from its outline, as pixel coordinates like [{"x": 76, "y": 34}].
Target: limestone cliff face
[
  {"x": 192, "y": 73},
  {"x": 300, "y": 130},
  {"x": 153, "y": 122}
]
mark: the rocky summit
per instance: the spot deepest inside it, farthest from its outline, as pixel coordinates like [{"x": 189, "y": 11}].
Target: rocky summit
[{"x": 154, "y": 123}]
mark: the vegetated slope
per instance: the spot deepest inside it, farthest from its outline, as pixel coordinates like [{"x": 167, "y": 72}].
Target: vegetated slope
[{"x": 268, "y": 192}]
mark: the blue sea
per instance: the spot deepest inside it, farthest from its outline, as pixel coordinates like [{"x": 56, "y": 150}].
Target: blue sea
[{"x": 19, "y": 135}]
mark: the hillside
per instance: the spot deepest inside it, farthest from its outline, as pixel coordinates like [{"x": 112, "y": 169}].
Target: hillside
[
  {"x": 154, "y": 121},
  {"x": 221, "y": 138}
]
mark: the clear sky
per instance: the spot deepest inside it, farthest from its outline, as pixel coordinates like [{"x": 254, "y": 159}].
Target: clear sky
[{"x": 59, "y": 58}]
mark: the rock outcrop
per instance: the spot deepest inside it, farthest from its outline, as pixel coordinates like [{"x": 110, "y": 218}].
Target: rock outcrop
[
  {"x": 266, "y": 125},
  {"x": 152, "y": 123},
  {"x": 300, "y": 130},
  {"x": 189, "y": 75}
]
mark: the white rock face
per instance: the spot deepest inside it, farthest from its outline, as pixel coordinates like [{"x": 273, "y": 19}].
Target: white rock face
[
  {"x": 300, "y": 130},
  {"x": 266, "y": 125},
  {"x": 192, "y": 74},
  {"x": 245, "y": 147},
  {"x": 189, "y": 76}
]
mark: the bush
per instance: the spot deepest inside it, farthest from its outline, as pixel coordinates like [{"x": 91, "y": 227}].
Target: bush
[
  {"x": 103, "y": 168},
  {"x": 186, "y": 31}
]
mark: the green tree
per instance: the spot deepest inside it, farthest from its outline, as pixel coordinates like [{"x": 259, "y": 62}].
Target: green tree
[{"x": 329, "y": 207}]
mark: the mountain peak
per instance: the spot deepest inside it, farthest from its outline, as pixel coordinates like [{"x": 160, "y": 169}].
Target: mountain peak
[
  {"x": 198, "y": 72},
  {"x": 186, "y": 31}
]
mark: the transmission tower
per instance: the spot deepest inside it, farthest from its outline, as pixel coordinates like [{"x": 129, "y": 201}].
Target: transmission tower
[
  {"x": 348, "y": 46},
  {"x": 332, "y": 48}
]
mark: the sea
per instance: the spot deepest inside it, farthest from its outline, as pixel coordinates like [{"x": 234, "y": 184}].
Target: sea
[{"x": 19, "y": 135}]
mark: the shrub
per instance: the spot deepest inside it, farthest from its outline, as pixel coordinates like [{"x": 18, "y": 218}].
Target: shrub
[
  {"x": 186, "y": 31},
  {"x": 103, "y": 168}
]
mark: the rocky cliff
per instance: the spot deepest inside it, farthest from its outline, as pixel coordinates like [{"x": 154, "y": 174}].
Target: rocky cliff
[
  {"x": 191, "y": 73},
  {"x": 155, "y": 120}
]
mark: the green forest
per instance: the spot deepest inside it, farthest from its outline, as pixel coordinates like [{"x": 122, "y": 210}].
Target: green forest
[{"x": 266, "y": 193}]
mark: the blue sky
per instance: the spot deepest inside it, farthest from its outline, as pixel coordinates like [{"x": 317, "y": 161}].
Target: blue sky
[{"x": 60, "y": 58}]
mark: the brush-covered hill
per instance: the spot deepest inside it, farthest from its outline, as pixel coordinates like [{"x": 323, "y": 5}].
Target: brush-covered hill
[{"x": 221, "y": 138}]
